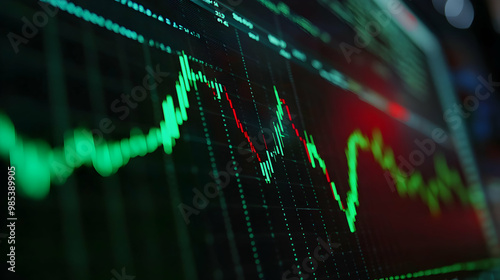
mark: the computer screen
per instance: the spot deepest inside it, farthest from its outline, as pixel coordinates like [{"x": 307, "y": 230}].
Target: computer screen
[{"x": 234, "y": 139}]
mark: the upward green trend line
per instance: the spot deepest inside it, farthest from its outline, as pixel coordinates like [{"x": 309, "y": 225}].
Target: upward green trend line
[
  {"x": 37, "y": 164},
  {"x": 441, "y": 187}
]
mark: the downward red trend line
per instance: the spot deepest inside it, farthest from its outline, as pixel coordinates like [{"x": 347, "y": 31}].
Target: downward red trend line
[
  {"x": 240, "y": 126},
  {"x": 39, "y": 164}
]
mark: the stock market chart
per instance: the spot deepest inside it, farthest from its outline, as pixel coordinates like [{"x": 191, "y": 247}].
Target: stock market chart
[{"x": 234, "y": 140}]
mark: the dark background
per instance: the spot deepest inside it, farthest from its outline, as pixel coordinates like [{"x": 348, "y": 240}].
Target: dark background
[{"x": 89, "y": 226}]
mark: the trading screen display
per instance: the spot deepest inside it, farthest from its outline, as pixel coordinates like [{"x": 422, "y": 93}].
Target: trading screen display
[{"x": 231, "y": 140}]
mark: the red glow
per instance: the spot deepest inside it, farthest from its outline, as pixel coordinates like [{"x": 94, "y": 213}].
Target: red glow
[{"x": 398, "y": 111}]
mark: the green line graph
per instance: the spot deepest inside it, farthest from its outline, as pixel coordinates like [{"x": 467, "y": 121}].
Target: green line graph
[{"x": 38, "y": 165}]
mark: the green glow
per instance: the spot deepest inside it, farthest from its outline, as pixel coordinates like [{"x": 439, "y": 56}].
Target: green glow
[
  {"x": 282, "y": 9},
  {"x": 38, "y": 164},
  {"x": 436, "y": 189},
  {"x": 105, "y": 23},
  {"x": 465, "y": 266},
  {"x": 439, "y": 188}
]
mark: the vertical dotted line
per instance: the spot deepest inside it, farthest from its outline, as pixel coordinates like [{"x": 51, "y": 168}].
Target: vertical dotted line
[
  {"x": 242, "y": 196},
  {"x": 304, "y": 157},
  {"x": 362, "y": 255},
  {"x": 295, "y": 205},
  {"x": 227, "y": 220},
  {"x": 261, "y": 188},
  {"x": 248, "y": 78},
  {"x": 279, "y": 194}
]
